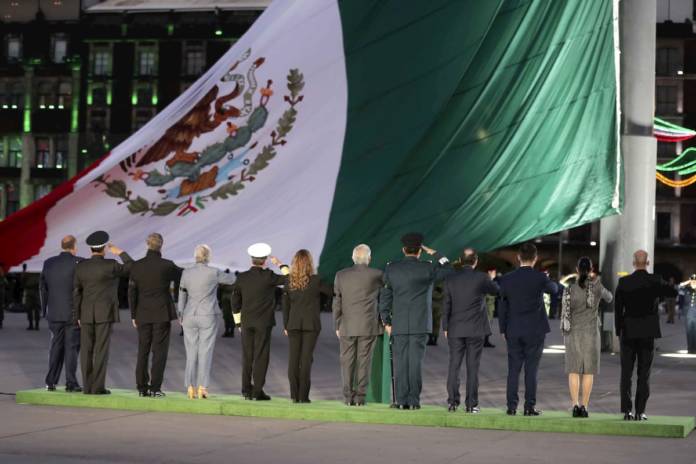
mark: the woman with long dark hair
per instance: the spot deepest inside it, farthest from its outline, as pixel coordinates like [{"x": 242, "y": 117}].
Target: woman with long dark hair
[
  {"x": 301, "y": 306},
  {"x": 580, "y": 325}
]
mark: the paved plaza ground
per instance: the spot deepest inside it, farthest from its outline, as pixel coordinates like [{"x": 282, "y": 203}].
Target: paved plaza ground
[{"x": 57, "y": 435}]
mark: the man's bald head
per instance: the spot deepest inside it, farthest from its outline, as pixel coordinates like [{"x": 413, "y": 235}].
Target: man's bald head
[
  {"x": 469, "y": 257},
  {"x": 640, "y": 259},
  {"x": 69, "y": 243}
]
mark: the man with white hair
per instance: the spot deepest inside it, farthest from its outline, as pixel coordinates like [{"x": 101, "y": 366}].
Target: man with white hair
[{"x": 356, "y": 317}]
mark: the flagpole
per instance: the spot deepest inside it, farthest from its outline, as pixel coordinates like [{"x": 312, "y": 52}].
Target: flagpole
[{"x": 621, "y": 236}]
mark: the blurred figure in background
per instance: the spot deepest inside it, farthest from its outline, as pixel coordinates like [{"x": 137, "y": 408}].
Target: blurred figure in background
[
  {"x": 30, "y": 297},
  {"x": 491, "y": 306},
  {"x": 671, "y": 303},
  {"x": 687, "y": 306}
]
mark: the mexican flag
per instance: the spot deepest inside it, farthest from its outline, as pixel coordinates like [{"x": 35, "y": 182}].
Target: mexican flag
[{"x": 337, "y": 122}]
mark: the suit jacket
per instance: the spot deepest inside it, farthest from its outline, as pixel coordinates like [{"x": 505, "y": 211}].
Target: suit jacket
[
  {"x": 254, "y": 297},
  {"x": 95, "y": 288},
  {"x": 149, "y": 295},
  {"x": 636, "y": 305},
  {"x": 198, "y": 290},
  {"x": 56, "y": 287},
  {"x": 406, "y": 297},
  {"x": 521, "y": 311},
  {"x": 465, "y": 311},
  {"x": 301, "y": 308},
  {"x": 355, "y": 303}
]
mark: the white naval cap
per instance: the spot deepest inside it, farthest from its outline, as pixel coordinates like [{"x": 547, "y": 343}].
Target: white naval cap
[{"x": 259, "y": 250}]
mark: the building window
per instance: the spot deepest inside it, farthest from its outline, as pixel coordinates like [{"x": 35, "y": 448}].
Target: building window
[
  {"x": 146, "y": 60},
  {"x": 194, "y": 59},
  {"x": 142, "y": 116},
  {"x": 45, "y": 94},
  {"x": 666, "y": 96},
  {"x": 59, "y": 48},
  {"x": 668, "y": 61},
  {"x": 61, "y": 152},
  {"x": 663, "y": 225},
  {"x": 97, "y": 120},
  {"x": 14, "y": 48},
  {"x": 42, "y": 190},
  {"x": 13, "y": 96},
  {"x": 101, "y": 60},
  {"x": 64, "y": 95},
  {"x": 99, "y": 95},
  {"x": 14, "y": 153},
  {"x": 143, "y": 95},
  {"x": 43, "y": 157},
  {"x": 12, "y": 192}
]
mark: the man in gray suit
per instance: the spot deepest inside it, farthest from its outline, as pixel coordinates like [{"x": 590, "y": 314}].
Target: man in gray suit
[
  {"x": 465, "y": 324},
  {"x": 356, "y": 318},
  {"x": 56, "y": 291}
]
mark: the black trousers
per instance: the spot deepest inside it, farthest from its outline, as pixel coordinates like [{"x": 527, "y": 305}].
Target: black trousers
[
  {"x": 256, "y": 350},
  {"x": 33, "y": 314},
  {"x": 94, "y": 356},
  {"x": 64, "y": 349},
  {"x": 632, "y": 350},
  {"x": 408, "y": 352},
  {"x": 471, "y": 348},
  {"x": 300, "y": 357},
  {"x": 524, "y": 351},
  {"x": 153, "y": 337}
]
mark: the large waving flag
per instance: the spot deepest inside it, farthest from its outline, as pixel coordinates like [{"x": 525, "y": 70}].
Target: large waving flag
[{"x": 335, "y": 122}]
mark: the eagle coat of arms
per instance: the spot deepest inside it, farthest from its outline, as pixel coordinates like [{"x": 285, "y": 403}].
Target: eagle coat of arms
[{"x": 189, "y": 179}]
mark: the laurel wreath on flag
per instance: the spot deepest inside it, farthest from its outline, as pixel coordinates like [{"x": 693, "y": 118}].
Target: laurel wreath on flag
[{"x": 139, "y": 205}]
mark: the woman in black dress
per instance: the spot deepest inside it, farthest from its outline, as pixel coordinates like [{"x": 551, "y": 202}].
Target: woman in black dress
[{"x": 301, "y": 305}]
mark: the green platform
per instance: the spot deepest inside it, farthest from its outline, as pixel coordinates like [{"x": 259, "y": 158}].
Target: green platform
[{"x": 333, "y": 411}]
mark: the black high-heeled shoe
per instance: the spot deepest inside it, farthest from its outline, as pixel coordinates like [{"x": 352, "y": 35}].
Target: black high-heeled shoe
[
  {"x": 576, "y": 411},
  {"x": 583, "y": 412}
]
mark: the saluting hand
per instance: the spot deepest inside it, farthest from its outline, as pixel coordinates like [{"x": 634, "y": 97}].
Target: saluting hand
[
  {"x": 428, "y": 250},
  {"x": 388, "y": 328},
  {"x": 114, "y": 249},
  {"x": 338, "y": 334},
  {"x": 135, "y": 324},
  {"x": 285, "y": 331},
  {"x": 445, "y": 332}
]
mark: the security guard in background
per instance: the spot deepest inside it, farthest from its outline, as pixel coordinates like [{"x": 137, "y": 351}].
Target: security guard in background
[
  {"x": 30, "y": 297},
  {"x": 253, "y": 305},
  {"x": 405, "y": 309},
  {"x": 95, "y": 308},
  {"x": 225, "y": 300}
]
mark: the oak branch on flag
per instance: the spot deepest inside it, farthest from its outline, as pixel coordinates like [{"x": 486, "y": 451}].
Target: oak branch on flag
[{"x": 333, "y": 123}]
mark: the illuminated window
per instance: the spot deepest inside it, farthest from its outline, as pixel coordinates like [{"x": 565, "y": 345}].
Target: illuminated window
[
  {"x": 61, "y": 152},
  {"x": 101, "y": 59},
  {"x": 59, "y": 48},
  {"x": 14, "y": 153},
  {"x": 194, "y": 59},
  {"x": 146, "y": 60},
  {"x": 43, "y": 157},
  {"x": 64, "y": 95},
  {"x": 14, "y": 48}
]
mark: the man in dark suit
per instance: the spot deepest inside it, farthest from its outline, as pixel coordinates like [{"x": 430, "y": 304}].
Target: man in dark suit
[
  {"x": 524, "y": 324},
  {"x": 638, "y": 325},
  {"x": 152, "y": 310},
  {"x": 404, "y": 305},
  {"x": 95, "y": 308},
  {"x": 465, "y": 325},
  {"x": 56, "y": 290},
  {"x": 253, "y": 303},
  {"x": 356, "y": 320}
]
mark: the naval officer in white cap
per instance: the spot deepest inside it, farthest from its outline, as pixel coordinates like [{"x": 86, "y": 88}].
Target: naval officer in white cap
[{"x": 253, "y": 304}]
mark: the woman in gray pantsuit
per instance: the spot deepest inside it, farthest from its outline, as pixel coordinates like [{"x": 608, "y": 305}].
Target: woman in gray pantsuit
[
  {"x": 199, "y": 314},
  {"x": 580, "y": 325}
]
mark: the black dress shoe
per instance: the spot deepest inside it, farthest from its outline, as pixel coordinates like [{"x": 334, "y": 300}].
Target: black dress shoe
[
  {"x": 415, "y": 406},
  {"x": 511, "y": 412},
  {"x": 641, "y": 417},
  {"x": 405, "y": 407},
  {"x": 73, "y": 389},
  {"x": 157, "y": 394},
  {"x": 306, "y": 401},
  {"x": 103, "y": 392},
  {"x": 50, "y": 388},
  {"x": 262, "y": 397},
  {"x": 360, "y": 403},
  {"x": 143, "y": 393},
  {"x": 473, "y": 410},
  {"x": 576, "y": 411},
  {"x": 247, "y": 396},
  {"x": 349, "y": 403},
  {"x": 583, "y": 412},
  {"x": 532, "y": 412},
  {"x": 452, "y": 408},
  {"x": 628, "y": 416}
]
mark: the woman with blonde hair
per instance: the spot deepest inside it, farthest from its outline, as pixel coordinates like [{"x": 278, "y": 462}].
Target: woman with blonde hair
[
  {"x": 199, "y": 315},
  {"x": 301, "y": 306},
  {"x": 580, "y": 326}
]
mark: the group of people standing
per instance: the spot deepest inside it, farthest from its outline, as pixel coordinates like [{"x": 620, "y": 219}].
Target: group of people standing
[{"x": 79, "y": 297}]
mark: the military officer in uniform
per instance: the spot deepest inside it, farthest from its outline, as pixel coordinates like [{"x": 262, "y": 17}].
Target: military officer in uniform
[
  {"x": 253, "y": 304},
  {"x": 95, "y": 308},
  {"x": 404, "y": 306}
]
